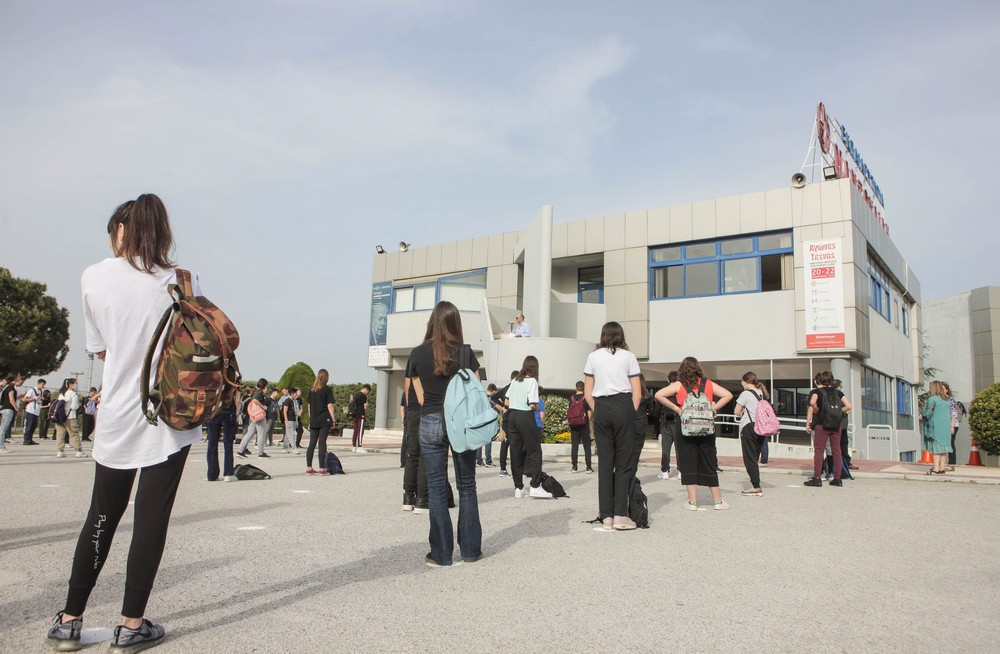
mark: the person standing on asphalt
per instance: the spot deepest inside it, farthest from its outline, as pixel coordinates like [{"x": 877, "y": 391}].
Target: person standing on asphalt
[
  {"x": 360, "y": 411},
  {"x": 433, "y": 363},
  {"x": 8, "y": 407},
  {"x": 578, "y": 415},
  {"x": 257, "y": 407},
  {"x": 291, "y": 420},
  {"x": 320, "y": 421},
  {"x": 70, "y": 429},
  {"x": 222, "y": 424},
  {"x": 525, "y": 435},
  {"x": 670, "y": 432},
  {"x": 936, "y": 422},
  {"x": 750, "y": 441},
  {"x": 500, "y": 401},
  {"x": 613, "y": 391},
  {"x": 32, "y": 411},
  {"x": 825, "y": 395},
  {"x": 123, "y": 300}
]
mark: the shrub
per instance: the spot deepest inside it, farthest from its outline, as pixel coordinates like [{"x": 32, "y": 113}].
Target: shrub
[
  {"x": 555, "y": 424},
  {"x": 984, "y": 419}
]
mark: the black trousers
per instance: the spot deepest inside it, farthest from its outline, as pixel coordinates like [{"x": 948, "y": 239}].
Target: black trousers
[
  {"x": 414, "y": 473},
  {"x": 525, "y": 448},
  {"x": 844, "y": 445},
  {"x": 670, "y": 431},
  {"x": 637, "y": 445},
  {"x": 952, "y": 457},
  {"x": 614, "y": 432},
  {"x": 31, "y": 420},
  {"x": 317, "y": 437},
  {"x": 154, "y": 500},
  {"x": 752, "y": 445},
  {"x": 580, "y": 436}
]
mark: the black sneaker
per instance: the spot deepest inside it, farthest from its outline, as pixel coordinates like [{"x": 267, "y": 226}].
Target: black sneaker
[
  {"x": 813, "y": 481},
  {"x": 263, "y": 455},
  {"x": 241, "y": 453},
  {"x": 128, "y": 641},
  {"x": 32, "y": 443},
  {"x": 65, "y": 636},
  {"x": 837, "y": 482}
]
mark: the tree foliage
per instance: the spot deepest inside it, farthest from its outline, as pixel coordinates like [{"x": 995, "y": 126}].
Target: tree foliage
[
  {"x": 299, "y": 375},
  {"x": 35, "y": 328},
  {"x": 984, "y": 419}
]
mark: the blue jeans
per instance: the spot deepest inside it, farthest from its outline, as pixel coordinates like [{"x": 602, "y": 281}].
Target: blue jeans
[
  {"x": 763, "y": 451},
  {"x": 485, "y": 452},
  {"x": 226, "y": 424},
  {"x": 434, "y": 448}
]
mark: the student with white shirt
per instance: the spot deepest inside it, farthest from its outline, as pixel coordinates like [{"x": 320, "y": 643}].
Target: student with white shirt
[
  {"x": 70, "y": 429},
  {"x": 612, "y": 389},
  {"x": 123, "y": 299},
  {"x": 32, "y": 409},
  {"x": 752, "y": 443},
  {"x": 525, "y": 436}
]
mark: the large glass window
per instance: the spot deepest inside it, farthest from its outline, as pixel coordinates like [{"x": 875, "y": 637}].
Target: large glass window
[
  {"x": 466, "y": 291},
  {"x": 880, "y": 290},
  {"x": 744, "y": 264},
  {"x": 876, "y": 398},
  {"x": 906, "y": 318},
  {"x": 904, "y": 405}
]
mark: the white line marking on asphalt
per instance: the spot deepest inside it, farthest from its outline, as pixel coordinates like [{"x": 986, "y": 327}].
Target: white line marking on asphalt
[
  {"x": 796, "y": 486},
  {"x": 252, "y": 528},
  {"x": 603, "y": 530},
  {"x": 50, "y": 486},
  {"x": 301, "y": 491}
]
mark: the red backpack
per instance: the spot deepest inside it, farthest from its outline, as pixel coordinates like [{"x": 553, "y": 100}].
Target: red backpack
[{"x": 576, "y": 416}]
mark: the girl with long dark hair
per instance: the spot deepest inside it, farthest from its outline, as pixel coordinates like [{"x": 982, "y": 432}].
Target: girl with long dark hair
[
  {"x": 123, "y": 299},
  {"x": 750, "y": 441},
  {"x": 320, "y": 421},
  {"x": 432, "y": 365},
  {"x": 613, "y": 391},
  {"x": 524, "y": 434},
  {"x": 696, "y": 455}
]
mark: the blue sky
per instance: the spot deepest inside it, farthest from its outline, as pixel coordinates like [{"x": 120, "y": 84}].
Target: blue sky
[{"x": 289, "y": 137}]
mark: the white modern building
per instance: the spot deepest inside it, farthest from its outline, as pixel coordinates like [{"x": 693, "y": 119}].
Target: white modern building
[{"x": 786, "y": 283}]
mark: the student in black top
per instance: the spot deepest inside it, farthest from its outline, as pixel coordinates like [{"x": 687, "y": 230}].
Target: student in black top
[
  {"x": 432, "y": 365},
  {"x": 822, "y": 435},
  {"x": 402, "y": 420},
  {"x": 580, "y": 434},
  {"x": 501, "y": 398},
  {"x": 361, "y": 407},
  {"x": 641, "y": 424},
  {"x": 670, "y": 431},
  {"x": 320, "y": 421}
]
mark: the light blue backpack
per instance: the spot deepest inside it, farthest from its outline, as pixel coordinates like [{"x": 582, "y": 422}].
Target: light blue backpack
[{"x": 471, "y": 421}]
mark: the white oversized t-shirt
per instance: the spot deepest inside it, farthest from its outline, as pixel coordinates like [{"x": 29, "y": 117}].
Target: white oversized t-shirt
[
  {"x": 612, "y": 373},
  {"x": 121, "y": 307}
]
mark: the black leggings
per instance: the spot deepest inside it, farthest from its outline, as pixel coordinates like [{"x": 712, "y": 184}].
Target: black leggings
[
  {"x": 154, "y": 500},
  {"x": 580, "y": 436},
  {"x": 525, "y": 448},
  {"x": 317, "y": 435}
]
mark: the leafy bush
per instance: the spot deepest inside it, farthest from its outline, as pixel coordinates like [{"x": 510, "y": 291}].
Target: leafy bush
[
  {"x": 555, "y": 428},
  {"x": 984, "y": 419}
]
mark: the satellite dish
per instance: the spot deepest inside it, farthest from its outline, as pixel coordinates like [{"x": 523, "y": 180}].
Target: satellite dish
[
  {"x": 404, "y": 246},
  {"x": 798, "y": 180}
]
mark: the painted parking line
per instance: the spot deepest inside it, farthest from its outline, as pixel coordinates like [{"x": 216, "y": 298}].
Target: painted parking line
[
  {"x": 49, "y": 486},
  {"x": 301, "y": 491},
  {"x": 252, "y": 528}
]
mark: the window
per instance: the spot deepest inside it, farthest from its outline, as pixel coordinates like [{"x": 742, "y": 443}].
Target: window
[
  {"x": 904, "y": 405},
  {"x": 876, "y": 398},
  {"x": 745, "y": 264},
  {"x": 906, "y": 318},
  {"x": 466, "y": 291},
  {"x": 590, "y": 285},
  {"x": 880, "y": 287}
]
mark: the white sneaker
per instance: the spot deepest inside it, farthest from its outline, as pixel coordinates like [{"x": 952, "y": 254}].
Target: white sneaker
[
  {"x": 720, "y": 506},
  {"x": 539, "y": 493},
  {"x": 4, "y": 450},
  {"x": 60, "y": 455},
  {"x": 663, "y": 475},
  {"x": 229, "y": 478},
  {"x": 520, "y": 492},
  {"x": 81, "y": 455}
]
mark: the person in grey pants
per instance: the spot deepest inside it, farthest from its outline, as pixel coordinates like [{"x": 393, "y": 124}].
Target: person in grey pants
[
  {"x": 260, "y": 426},
  {"x": 291, "y": 420}
]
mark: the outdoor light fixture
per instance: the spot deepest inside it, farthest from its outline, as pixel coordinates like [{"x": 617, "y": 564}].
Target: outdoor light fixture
[
  {"x": 829, "y": 172},
  {"x": 379, "y": 249},
  {"x": 404, "y": 246},
  {"x": 798, "y": 180}
]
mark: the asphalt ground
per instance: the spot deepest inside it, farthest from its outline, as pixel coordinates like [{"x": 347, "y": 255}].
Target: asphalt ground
[{"x": 300, "y": 564}]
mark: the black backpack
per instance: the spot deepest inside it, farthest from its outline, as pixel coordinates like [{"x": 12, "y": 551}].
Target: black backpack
[
  {"x": 352, "y": 409},
  {"x": 333, "y": 465},
  {"x": 57, "y": 412},
  {"x": 550, "y": 484},
  {"x": 247, "y": 472},
  {"x": 638, "y": 511},
  {"x": 831, "y": 411}
]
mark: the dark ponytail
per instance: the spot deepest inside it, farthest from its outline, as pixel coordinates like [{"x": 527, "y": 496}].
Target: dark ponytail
[{"x": 147, "y": 241}]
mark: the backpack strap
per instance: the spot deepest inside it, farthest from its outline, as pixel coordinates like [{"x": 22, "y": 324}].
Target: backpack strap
[
  {"x": 184, "y": 282},
  {"x": 147, "y": 363}
]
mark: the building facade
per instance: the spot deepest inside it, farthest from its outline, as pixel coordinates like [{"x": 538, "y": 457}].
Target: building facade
[{"x": 785, "y": 283}]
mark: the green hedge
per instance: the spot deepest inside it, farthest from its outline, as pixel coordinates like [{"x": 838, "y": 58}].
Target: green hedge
[{"x": 984, "y": 419}]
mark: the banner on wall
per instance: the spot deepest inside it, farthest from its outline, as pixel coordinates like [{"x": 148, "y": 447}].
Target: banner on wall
[
  {"x": 823, "y": 286},
  {"x": 381, "y": 298}
]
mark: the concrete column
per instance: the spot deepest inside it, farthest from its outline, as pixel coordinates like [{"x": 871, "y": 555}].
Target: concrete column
[
  {"x": 841, "y": 369},
  {"x": 384, "y": 399}
]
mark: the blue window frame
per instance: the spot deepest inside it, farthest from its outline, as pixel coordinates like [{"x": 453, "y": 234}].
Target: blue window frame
[
  {"x": 880, "y": 291},
  {"x": 725, "y": 266},
  {"x": 590, "y": 285},
  {"x": 465, "y": 290},
  {"x": 904, "y": 405}
]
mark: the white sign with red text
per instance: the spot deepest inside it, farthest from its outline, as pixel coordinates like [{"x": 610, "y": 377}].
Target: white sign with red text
[{"x": 824, "y": 293}]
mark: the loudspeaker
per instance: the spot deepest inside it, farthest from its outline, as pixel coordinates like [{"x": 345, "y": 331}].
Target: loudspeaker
[{"x": 798, "y": 180}]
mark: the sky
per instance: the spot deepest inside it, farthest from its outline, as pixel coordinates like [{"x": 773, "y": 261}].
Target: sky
[{"x": 288, "y": 138}]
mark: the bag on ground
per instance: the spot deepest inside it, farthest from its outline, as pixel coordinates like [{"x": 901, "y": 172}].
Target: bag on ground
[
  {"x": 333, "y": 464},
  {"x": 638, "y": 509},
  {"x": 697, "y": 415},
  {"x": 247, "y": 472},
  {"x": 831, "y": 409},
  {"x": 576, "y": 415},
  {"x": 550, "y": 484},
  {"x": 470, "y": 419},
  {"x": 197, "y": 362}
]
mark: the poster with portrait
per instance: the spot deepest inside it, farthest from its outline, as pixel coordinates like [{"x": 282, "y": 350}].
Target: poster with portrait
[{"x": 381, "y": 298}]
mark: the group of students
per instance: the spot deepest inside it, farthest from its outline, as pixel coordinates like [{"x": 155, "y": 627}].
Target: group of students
[{"x": 37, "y": 403}]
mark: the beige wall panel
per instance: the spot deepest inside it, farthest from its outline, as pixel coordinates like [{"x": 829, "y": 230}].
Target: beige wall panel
[
  {"x": 449, "y": 258},
  {"x": 463, "y": 255},
  {"x": 405, "y": 268},
  {"x": 727, "y": 216},
  {"x": 495, "y": 256},
  {"x": 614, "y": 232},
  {"x": 378, "y": 268},
  {"x": 576, "y": 238},
  {"x": 595, "y": 235},
  {"x": 681, "y": 217},
  {"x": 419, "y": 264},
  {"x": 637, "y": 336},
  {"x": 614, "y": 267},
  {"x": 635, "y": 229},
  {"x": 614, "y": 302},
  {"x": 753, "y": 210},
  {"x": 658, "y": 226},
  {"x": 480, "y": 252},
  {"x": 433, "y": 260},
  {"x": 391, "y": 265},
  {"x": 509, "y": 280},
  {"x": 559, "y": 240},
  {"x": 703, "y": 220},
  {"x": 494, "y": 282},
  {"x": 636, "y": 265},
  {"x": 636, "y": 302},
  {"x": 778, "y": 209}
]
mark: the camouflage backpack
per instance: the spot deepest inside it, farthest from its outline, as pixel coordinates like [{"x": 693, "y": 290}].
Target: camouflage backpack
[{"x": 198, "y": 369}]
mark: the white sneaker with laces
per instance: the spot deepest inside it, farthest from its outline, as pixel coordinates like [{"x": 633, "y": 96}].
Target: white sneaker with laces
[
  {"x": 663, "y": 475},
  {"x": 539, "y": 493},
  {"x": 520, "y": 493},
  {"x": 81, "y": 455},
  {"x": 60, "y": 455}
]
